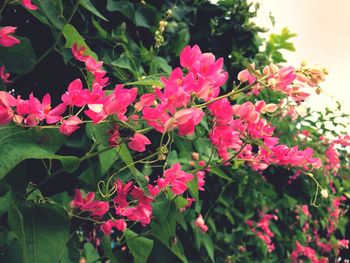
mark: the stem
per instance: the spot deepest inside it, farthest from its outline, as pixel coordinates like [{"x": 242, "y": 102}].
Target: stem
[{"x": 3, "y": 7}]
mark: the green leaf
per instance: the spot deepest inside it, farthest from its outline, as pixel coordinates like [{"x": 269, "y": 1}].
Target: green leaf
[
  {"x": 124, "y": 7},
  {"x": 72, "y": 36},
  {"x": 98, "y": 133},
  {"x": 90, "y": 7},
  {"x": 5, "y": 198},
  {"x": 24, "y": 55},
  {"x": 217, "y": 171},
  {"x": 90, "y": 253},
  {"x": 139, "y": 246},
  {"x": 161, "y": 209},
  {"x": 107, "y": 248},
  {"x": 146, "y": 16},
  {"x": 32, "y": 144},
  {"x": 126, "y": 156},
  {"x": 159, "y": 63},
  {"x": 165, "y": 233},
  {"x": 53, "y": 11},
  {"x": 147, "y": 81},
  {"x": 209, "y": 246},
  {"x": 43, "y": 231}
]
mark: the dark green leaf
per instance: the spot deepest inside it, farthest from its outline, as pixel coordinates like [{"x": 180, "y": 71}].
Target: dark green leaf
[
  {"x": 90, "y": 7},
  {"x": 139, "y": 246},
  {"x": 72, "y": 36},
  {"x": 24, "y": 55},
  {"x": 32, "y": 144},
  {"x": 124, "y": 7},
  {"x": 43, "y": 231},
  {"x": 53, "y": 11}
]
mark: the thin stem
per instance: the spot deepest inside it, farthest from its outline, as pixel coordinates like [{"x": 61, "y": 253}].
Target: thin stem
[{"x": 3, "y": 7}]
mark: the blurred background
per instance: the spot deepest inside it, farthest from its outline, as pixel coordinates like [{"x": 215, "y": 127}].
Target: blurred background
[{"x": 323, "y": 38}]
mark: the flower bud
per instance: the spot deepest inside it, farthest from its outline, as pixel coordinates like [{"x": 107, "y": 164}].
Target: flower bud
[{"x": 324, "y": 193}]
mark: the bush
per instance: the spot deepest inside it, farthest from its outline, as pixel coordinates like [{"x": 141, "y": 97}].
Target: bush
[{"x": 146, "y": 148}]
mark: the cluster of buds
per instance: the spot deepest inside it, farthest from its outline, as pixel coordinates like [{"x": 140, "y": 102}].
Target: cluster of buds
[
  {"x": 159, "y": 38},
  {"x": 312, "y": 75}
]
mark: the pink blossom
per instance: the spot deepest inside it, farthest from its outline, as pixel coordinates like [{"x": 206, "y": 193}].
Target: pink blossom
[
  {"x": 200, "y": 178},
  {"x": 117, "y": 102},
  {"x": 145, "y": 100},
  {"x": 176, "y": 179},
  {"x": 6, "y": 112},
  {"x": 4, "y": 76},
  {"x": 118, "y": 224},
  {"x": 5, "y": 39},
  {"x": 199, "y": 222},
  {"x": 87, "y": 203},
  {"x": 75, "y": 95},
  {"x": 96, "y": 208},
  {"x": 79, "y": 200},
  {"x": 29, "y": 5},
  {"x": 51, "y": 115},
  {"x": 114, "y": 136},
  {"x": 70, "y": 125},
  {"x": 344, "y": 243},
  {"x": 78, "y": 52},
  {"x": 246, "y": 76},
  {"x": 187, "y": 119},
  {"x": 138, "y": 142}
]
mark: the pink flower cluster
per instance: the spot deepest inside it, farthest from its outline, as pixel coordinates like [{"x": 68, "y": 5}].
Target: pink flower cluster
[
  {"x": 335, "y": 212},
  {"x": 307, "y": 252},
  {"x": 175, "y": 179},
  {"x": 87, "y": 203},
  {"x": 172, "y": 110},
  {"x": 294, "y": 84},
  {"x": 233, "y": 124},
  {"x": 130, "y": 203},
  {"x": 332, "y": 162},
  {"x": 261, "y": 229}
]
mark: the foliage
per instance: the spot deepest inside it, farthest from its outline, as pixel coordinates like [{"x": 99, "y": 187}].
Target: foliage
[{"x": 99, "y": 178}]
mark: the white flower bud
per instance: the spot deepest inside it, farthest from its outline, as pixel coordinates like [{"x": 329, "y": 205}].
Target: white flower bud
[{"x": 324, "y": 193}]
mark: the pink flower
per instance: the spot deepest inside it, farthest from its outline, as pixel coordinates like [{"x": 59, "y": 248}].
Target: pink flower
[
  {"x": 75, "y": 96},
  {"x": 79, "y": 200},
  {"x": 106, "y": 227},
  {"x": 96, "y": 208},
  {"x": 5, "y": 39},
  {"x": 199, "y": 222},
  {"x": 78, "y": 52},
  {"x": 185, "y": 120},
  {"x": 6, "y": 112},
  {"x": 118, "y": 224},
  {"x": 29, "y": 5},
  {"x": 138, "y": 142},
  {"x": 87, "y": 203},
  {"x": 52, "y": 115},
  {"x": 118, "y": 102},
  {"x": 70, "y": 125},
  {"x": 200, "y": 178},
  {"x": 145, "y": 100},
  {"x": 344, "y": 243},
  {"x": 176, "y": 179},
  {"x": 114, "y": 136},
  {"x": 4, "y": 76}
]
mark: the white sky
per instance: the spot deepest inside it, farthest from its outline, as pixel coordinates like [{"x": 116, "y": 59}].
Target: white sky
[{"x": 323, "y": 28}]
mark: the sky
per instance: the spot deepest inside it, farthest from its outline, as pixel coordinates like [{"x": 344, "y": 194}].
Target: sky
[{"x": 323, "y": 29}]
